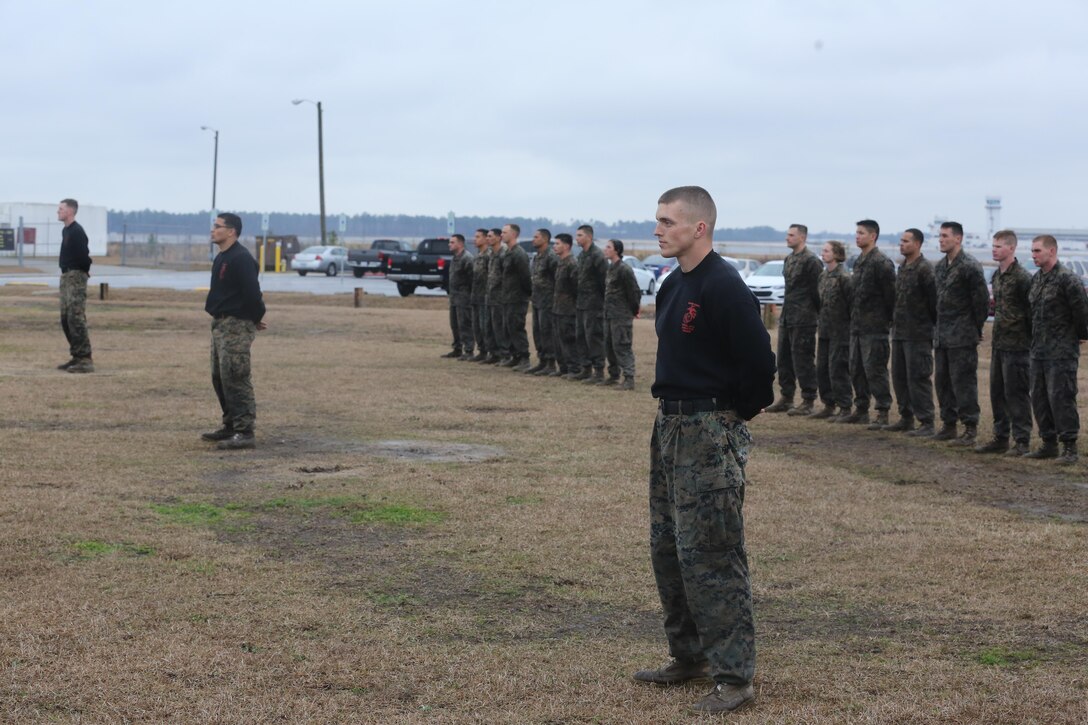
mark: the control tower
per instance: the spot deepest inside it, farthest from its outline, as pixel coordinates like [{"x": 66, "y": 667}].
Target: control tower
[{"x": 993, "y": 211}]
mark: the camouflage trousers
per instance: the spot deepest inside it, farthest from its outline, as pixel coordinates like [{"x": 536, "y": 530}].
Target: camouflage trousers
[
  {"x": 231, "y": 341},
  {"x": 956, "y": 379},
  {"x": 73, "y": 312},
  {"x": 833, "y": 372},
  {"x": 515, "y": 328},
  {"x": 590, "y": 333},
  {"x": 912, "y": 377},
  {"x": 697, "y": 540},
  {"x": 461, "y": 327},
  {"x": 481, "y": 327},
  {"x": 617, "y": 347},
  {"x": 1010, "y": 394},
  {"x": 497, "y": 314},
  {"x": 566, "y": 343},
  {"x": 543, "y": 332},
  {"x": 797, "y": 361},
  {"x": 869, "y": 371},
  {"x": 1054, "y": 398}
]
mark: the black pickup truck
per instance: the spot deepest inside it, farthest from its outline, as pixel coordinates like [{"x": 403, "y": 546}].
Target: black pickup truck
[
  {"x": 362, "y": 261},
  {"x": 428, "y": 266}
]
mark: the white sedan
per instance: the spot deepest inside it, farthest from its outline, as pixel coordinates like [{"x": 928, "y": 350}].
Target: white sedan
[
  {"x": 329, "y": 260},
  {"x": 647, "y": 282},
  {"x": 768, "y": 283}
]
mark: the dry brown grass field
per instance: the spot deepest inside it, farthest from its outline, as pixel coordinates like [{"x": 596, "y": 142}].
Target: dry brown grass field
[{"x": 424, "y": 540}]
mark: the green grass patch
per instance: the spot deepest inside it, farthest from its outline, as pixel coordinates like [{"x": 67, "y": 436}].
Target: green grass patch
[
  {"x": 196, "y": 513},
  {"x": 397, "y": 514},
  {"x": 522, "y": 500},
  {"x": 359, "y": 510},
  {"x": 92, "y": 548},
  {"x": 1001, "y": 657}
]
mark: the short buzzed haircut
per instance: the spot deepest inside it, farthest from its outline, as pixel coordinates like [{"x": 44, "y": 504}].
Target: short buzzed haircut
[
  {"x": 698, "y": 201},
  {"x": 1046, "y": 240},
  {"x": 956, "y": 227},
  {"x": 458, "y": 237},
  {"x": 481, "y": 230},
  {"x": 587, "y": 228},
  {"x": 515, "y": 227},
  {"x": 233, "y": 221},
  {"x": 546, "y": 233},
  {"x": 838, "y": 250},
  {"x": 71, "y": 204},
  {"x": 1008, "y": 236},
  {"x": 496, "y": 231},
  {"x": 917, "y": 234},
  {"x": 564, "y": 238},
  {"x": 870, "y": 225},
  {"x": 617, "y": 245},
  {"x": 801, "y": 228}
]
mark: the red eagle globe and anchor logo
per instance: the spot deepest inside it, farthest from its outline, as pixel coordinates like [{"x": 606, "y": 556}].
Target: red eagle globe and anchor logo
[{"x": 688, "y": 323}]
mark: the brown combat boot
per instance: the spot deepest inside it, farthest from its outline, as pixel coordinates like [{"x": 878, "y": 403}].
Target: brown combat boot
[
  {"x": 609, "y": 381},
  {"x": 967, "y": 438},
  {"x": 880, "y": 421},
  {"x": 946, "y": 433},
  {"x": 724, "y": 698},
  {"x": 924, "y": 430},
  {"x": 902, "y": 425},
  {"x": 1049, "y": 449},
  {"x": 1020, "y": 448},
  {"x": 627, "y": 384},
  {"x": 546, "y": 368},
  {"x": 218, "y": 435},
  {"x": 1069, "y": 453},
  {"x": 674, "y": 673},
  {"x": 803, "y": 408},
  {"x": 858, "y": 416},
  {"x": 82, "y": 365},
  {"x": 999, "y": 444},
  {"x": 825, "y": 412},
  {"x": 65, "y": 366},
  {"x": 582, "y": 374},
  {"x": 596, "y": 378},
  {"x": 238, "y": 441},
  {"x": 780, "y": 406},
  {"x": 452, "y": 353}
]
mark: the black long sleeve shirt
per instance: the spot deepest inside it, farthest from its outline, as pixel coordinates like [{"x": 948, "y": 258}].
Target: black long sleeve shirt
[
  {"x": 235, "y": 290},
  {"x": 711, "y": 342},
  {"x": 75, "y": 250}
]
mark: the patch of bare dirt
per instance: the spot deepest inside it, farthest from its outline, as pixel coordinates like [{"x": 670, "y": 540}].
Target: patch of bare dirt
[
  {"x": 408, "y": 450},
  {"x": 1034, "y": 488}
]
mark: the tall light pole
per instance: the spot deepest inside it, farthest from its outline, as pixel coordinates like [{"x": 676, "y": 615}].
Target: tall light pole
[
  {"x": 215, "y": 164},
  {"x": 320, "y": 161}
]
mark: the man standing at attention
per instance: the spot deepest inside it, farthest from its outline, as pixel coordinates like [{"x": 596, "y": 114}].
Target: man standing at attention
[
  {"x": 715, "y": 369},
  {"x": 963, "y": 303},
  {"x": 460, "y": 294},
  {"x": 543, "y": 270},
  {"x": 481, "y": 321},
  {"x": 75, "y": 268},
  {"x": 237, "y": 310},
  {"x": 565, "y": 308},
  {"x": 833, "y": 349},
  {"x": 912, "y": 338},
  {"x": 495, "y": 312},
  {"x": 621, "y": 303},
  {"x": 517, "y": 286},
  {"x": 870, "y": 317},
  {"x": 797, "y": 325},
  {"x": 592, "y": 268},
  {"x": 1010, "y": 357},
  {"x": 1059, "y": 322}
]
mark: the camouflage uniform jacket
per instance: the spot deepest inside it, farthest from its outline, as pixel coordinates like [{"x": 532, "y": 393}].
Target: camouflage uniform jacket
[
  {"x": 1012, "y": 309},
  {"x": 461, "y": 272},
  {"x": 565, "y": 298},
  {"x": 494, "y": 276},
  {"x": 517, "y": 280},
  {"x": 592, "y": 267},
  {"x": 963, "y": 302},
  {"x": 621, "y": 293},
  {"x": 801, "y": 306},
  {"x": 835, "y": 294},
  {"x": 544, "y": 264},
  {"x": 479, "y": 276},
  {"x": 915, "y": 302},
  {"x": 1059, "y": 314},
  {"x": 873, "y": 300}
]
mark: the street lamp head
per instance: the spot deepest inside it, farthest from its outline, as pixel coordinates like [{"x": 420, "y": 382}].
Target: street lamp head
[{"x": 297, "y": 101}]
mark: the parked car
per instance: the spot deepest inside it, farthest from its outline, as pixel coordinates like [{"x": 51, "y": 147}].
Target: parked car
[
  {"x": 768, "y": 283},
  {"x": 744, "y": 266},
  {"x": 362, "y": 261},
  {"x": 647, "y": 282},
  {"x": 428, "y": 265},
  {"x": 329, "y": 260},
  {"x": 658, "y": 265}
]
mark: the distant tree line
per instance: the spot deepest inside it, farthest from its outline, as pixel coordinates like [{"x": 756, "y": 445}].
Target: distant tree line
[{"x": 400, "y": 225}]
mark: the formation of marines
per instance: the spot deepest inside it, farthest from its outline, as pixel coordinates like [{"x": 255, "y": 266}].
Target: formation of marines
[
  {"x": 836, "y": 326},
  {"x": 582, "y": 309}
]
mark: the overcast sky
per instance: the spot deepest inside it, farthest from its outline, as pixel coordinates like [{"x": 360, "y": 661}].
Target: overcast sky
[{"x": 820, "y": 112}]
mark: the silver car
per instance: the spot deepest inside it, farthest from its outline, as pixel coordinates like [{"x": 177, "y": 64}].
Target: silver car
[{"x": 329, "y": 260}]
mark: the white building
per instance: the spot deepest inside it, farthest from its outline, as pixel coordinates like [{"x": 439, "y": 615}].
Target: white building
[{"x": 44, "y": 240}]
